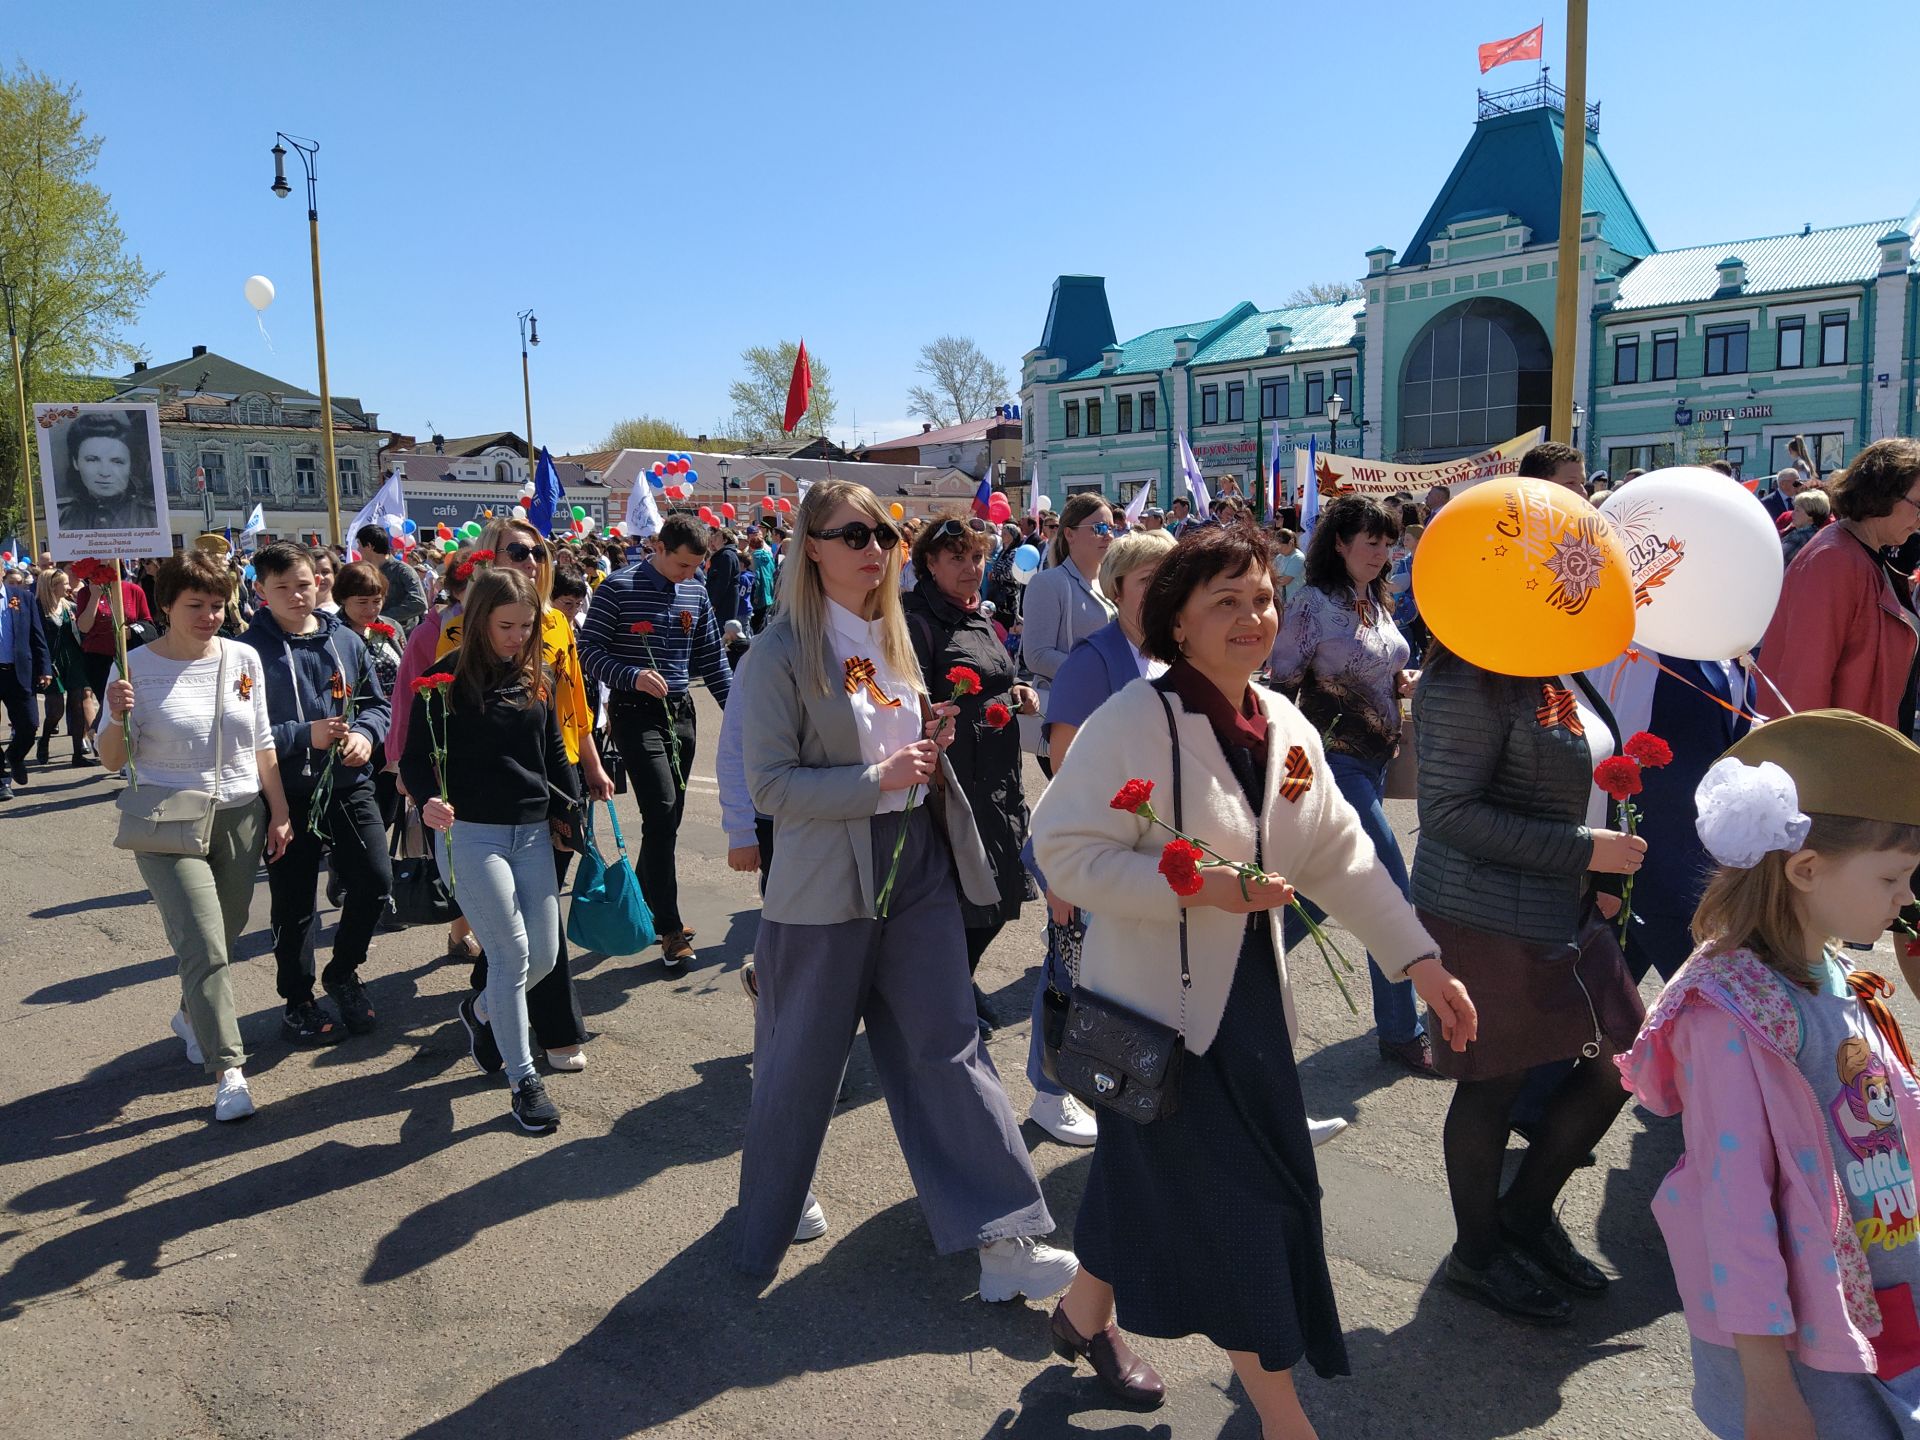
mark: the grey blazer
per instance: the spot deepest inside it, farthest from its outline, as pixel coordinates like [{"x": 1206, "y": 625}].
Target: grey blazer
[
  {"x": 805, "y": 772},
  {"x": 1060, "y": 610}
]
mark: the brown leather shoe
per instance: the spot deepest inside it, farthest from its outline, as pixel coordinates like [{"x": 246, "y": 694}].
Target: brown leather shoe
[
  {"x": 1416, "y": 1054},
  {"x": 677, "y": 949},
  {"x": 1119, "y": 1369}
]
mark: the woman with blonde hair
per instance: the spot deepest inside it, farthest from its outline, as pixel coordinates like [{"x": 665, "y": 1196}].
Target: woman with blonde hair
[
  {"x": 861, "y": 917},
  {"x": 558, "y": 1023}
]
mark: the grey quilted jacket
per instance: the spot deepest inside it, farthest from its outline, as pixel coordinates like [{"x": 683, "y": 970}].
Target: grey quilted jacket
[{"x": 1503, "y": 796}]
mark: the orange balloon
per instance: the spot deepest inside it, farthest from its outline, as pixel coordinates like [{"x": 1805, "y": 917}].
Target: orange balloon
[
  {"x": 897, "y": 510},
  {"x": 1524, "y": 577}
]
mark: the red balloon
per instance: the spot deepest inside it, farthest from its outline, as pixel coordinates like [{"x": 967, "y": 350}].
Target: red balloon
[
  {"x": 784, "y": 504},
  {"x": 680, "y": 467},
  {"x": 706, "y": 515},
  {"x": 766, "y": 502},
  {"x": 443, "y": 532},
  {"x": 659, "y": 467},
  {"x": 728, "y": 511},
  {"x": 998, "y": 510}
]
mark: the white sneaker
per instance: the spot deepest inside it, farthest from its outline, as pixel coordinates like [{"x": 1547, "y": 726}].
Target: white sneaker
[
  {"x": 1024, "y": 1266},
  {"x": 1321, "y": 1131},
  {"x": 1064, "y": 1118},
  {"x": 573, "y": 1064},
  {"x": 232, "y": 1101},
  {"x": 813, "y": 1222},
  {"x": 185, "y": 1032}
]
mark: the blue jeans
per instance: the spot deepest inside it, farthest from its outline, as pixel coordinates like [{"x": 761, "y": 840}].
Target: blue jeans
[
  {"x": 1396, "y": 1017},
  {"x": 505, "y": 880}
]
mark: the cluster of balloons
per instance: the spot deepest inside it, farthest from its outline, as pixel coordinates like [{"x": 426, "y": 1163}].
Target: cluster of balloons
[
  {"x": 999, "y": 508},
  {"x": 776, "y": 502},
  {"x": 1026, "y": 561},
  {"x": 1526, "y": 578},
  {"x": 679, "y": 466}
]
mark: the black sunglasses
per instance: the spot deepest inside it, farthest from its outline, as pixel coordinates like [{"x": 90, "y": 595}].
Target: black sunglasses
[
  {"x": 517, "y": 551},
  {"x": 958, "y": 529},
  {"x": 858, "y": 534}
]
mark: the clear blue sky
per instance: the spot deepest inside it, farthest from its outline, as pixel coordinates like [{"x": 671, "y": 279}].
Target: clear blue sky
[{"x": 667, "y": 184}]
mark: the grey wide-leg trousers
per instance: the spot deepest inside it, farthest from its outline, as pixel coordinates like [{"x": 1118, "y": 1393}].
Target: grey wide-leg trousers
[{"x": 906, "y": 977}]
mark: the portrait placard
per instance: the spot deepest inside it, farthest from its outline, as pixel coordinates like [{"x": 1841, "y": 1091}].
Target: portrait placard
[{"x": 102, "y": 481}]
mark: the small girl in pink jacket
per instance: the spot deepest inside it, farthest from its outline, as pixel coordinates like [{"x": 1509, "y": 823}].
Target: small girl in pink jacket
[{"x": 1791, "y": 1220}]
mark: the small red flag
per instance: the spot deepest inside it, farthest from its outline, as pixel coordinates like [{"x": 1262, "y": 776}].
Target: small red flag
[
  {"x": 799, "y": 389},
  {"x": 1524, "y": 46}
]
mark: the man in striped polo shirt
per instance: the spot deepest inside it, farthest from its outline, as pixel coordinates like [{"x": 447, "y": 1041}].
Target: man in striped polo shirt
[{"x": 649, "y": 629}]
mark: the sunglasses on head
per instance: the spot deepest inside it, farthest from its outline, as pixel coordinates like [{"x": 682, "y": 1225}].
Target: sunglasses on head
[
  {"x": 858, "y": 534},
  {"x": 517, "y": 551},
  {"x": 958, "y": 529}
]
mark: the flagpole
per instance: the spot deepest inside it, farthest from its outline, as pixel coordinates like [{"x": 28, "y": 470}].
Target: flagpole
[{"x": 1566, "y": 310}]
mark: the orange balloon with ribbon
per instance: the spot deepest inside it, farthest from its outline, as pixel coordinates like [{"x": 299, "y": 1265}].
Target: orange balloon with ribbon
[{"x": 1524, "y": 577}]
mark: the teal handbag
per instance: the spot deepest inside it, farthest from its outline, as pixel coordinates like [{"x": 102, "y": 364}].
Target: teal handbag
[{"x": 609, "y": 914}]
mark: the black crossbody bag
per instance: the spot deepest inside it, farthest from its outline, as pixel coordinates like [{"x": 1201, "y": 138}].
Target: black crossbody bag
[{"x": 1114, "y": 1057}]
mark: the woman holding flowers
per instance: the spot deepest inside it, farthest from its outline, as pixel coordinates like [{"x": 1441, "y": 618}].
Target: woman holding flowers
[
  {"x": 1207, "y": 1221},
  {"x": 1504, "y": 877},
  {"x": 485, "y": 751},
  {"x": 948, "y": 630},
  {"x": 839, "y": 738}
]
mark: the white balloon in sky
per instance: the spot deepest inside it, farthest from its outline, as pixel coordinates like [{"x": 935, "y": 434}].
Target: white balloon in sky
[{"x": 259, "y": 291}]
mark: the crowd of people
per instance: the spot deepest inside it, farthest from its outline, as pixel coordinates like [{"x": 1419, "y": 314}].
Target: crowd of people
[{"x": 1256, "y": 689}]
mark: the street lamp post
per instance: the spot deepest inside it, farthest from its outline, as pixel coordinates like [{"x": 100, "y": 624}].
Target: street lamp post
[
  {"x": 308, "y": 150},
  {"x": 26, "y": 435},
  {"x": 1336, "y": 402},
  {"x": 1726, "y": 438},
  {"x": 724, "y": 465},
  {"x": 1579, "y": 414},
  {"x": 529, "y": 335}
]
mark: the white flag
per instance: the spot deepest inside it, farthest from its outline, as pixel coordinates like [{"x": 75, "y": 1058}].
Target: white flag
[
  {"x": 643, "y": 516},
  {"x": 386, "y": 501},
  {"x": 1137, "y": 506},
  {"x": 1196, "y": 483},
  {"x": 256, "y": 522},
  {"x": 1036, "y": 509}
]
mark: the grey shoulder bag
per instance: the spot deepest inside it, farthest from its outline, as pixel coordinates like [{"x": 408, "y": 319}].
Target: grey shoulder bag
[
  {"x": 1117, "y": 1058},
  {"x": 158, "y": 821}
]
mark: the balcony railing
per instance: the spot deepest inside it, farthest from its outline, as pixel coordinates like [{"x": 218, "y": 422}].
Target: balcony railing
[{"x": 1541, "y": 94}]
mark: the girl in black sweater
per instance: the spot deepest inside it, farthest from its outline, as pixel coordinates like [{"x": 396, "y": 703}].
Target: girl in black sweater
[{"x": 501, "y": 765}]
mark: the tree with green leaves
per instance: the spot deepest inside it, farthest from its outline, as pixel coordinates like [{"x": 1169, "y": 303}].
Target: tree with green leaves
[
  {"x": 646, "y": 432},
  {"x": 65, "y": 267},
  {"x": 760, "y": 396},
  {"x": 963, "y": 383},
  {"x": 1324, "y": 292}
]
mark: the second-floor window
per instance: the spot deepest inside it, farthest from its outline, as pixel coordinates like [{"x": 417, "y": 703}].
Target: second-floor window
[
  {"x": 1726, "y": 350},
  {"x": 1072, "y": 411},
  {"x": 1833, "y": 339},
  {"x": 350, "y": 476},
  {"x": 259, "y": 475},
  {"x": 1666, "y": 354},
  {"x": 1343, "y": 387},
  {"x": 1236, "y": 401},
  {"x": 1626, "y": 361},
  {"x": 1149, "y": 412},
  {"x": 1792, "y": 348},
  {"x": 1209, "y": 404},
  {"x": 1275, "y": 401},
  {"x": 1316, "y": 393},
  {"x": 1093, "y": 417},
  {"x": 214, "y": 466},
  {"x": 304, "y": 483},
  {"x": 1123, "y": 414}
]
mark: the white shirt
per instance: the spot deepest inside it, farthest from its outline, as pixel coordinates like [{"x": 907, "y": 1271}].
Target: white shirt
[
  {"x": 172, "y": 721},
  {"x": 1149, "y": 669},
  {"x": 884, "y": 729},
  {"x": 1599, "y": 746}
]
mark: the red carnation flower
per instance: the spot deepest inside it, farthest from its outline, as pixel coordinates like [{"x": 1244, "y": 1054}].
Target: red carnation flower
[
  {"x": 641, "y": 627},
  {"x": 94, "y": 572},
  {"x": 1648, "y": 750},
  {"x": 1180, "y": 863},
  {"x": 964, "y": 681},
  {"x": 482, "y": 557},
  {"x": 998, "y": 716},
  {"x": 1618, "y": 776},
  {"x": 429, "y": 683},
  {"x": 1133, "y": 795},
  {"x": 382, "y": 629}
]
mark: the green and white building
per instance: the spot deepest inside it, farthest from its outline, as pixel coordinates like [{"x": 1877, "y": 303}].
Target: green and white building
[{"x": 1681, "y": 355}]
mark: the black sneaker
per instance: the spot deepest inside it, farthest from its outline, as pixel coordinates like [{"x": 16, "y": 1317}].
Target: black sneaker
[
  {"x": 535, "y": 1113},
  {"x": 6, "y": 788},
  {"x": 1553, "y": 1251},
  {"x": 480, "y": 1044},
  {"x": 355, "y": 1008},
  {"x": 309, "y": 1024},
  {"x": 20, "y": 770},
  {"x": 1511, "y": 1285}
]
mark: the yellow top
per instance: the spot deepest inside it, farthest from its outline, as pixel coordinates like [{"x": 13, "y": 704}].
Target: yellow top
[{"x": 561, "y": 653}]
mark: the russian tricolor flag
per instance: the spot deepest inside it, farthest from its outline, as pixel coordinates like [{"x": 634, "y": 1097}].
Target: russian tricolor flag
[{"x": 983, "y": 499}]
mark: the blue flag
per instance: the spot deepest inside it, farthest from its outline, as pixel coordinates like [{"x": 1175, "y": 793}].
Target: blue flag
[{"x": 547, "y": 494}]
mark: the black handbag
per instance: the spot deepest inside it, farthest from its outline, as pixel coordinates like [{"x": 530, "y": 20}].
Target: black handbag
[
  {"x": 1116, "y": 1058},
  {"x": 418, "y": 896}
]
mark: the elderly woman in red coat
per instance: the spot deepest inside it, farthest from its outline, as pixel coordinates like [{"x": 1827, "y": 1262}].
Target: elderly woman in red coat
[{"x": 1845, "y": 635}]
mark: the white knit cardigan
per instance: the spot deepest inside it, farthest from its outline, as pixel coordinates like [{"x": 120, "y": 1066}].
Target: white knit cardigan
[{"x": 1106, "y": 861}]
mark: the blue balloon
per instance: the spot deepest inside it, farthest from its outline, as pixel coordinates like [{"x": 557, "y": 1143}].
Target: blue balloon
[
  {"x": 407, "y": 527},
  {"x": 692, "y": 477},
  {"x": 1026, "y": 559},
  {"x": 246, "y": 572}
]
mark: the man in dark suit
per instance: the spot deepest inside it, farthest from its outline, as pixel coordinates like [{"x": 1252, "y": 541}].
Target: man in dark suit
[
  {"x": 26, "y": 669},
  {"x": 1787, "y": 484}
]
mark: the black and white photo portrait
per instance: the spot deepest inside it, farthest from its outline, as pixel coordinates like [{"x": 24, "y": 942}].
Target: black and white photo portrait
[{"x": 101, "y": 477}]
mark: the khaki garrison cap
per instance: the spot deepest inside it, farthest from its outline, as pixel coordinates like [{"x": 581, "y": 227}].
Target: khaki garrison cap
[{"x": 1841, "y": 764}]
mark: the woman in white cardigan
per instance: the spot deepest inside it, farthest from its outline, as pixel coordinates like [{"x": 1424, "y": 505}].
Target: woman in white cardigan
[{"x": 1208, "y": 1221}]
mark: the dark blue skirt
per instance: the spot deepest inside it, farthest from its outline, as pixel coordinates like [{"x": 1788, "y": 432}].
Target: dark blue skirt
[{"x": 1208, "y": 1223}]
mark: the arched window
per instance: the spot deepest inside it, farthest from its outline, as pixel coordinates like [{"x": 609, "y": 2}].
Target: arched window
[
  {"x": 1480, "y": 373},
  {"x": 254, "y": 410},
  {"x": 502, "y": 473}
]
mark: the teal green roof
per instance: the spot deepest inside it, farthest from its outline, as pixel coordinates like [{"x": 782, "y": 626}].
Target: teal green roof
[
  {"x": 1844, "y": 255},
  {"x": 1512, "y": 166},
  {"x": 1240, "y": 334}
]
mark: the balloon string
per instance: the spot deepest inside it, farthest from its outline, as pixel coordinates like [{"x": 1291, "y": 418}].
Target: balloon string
[
  {"x": 1633, "y": 654},
  {"x": 261, "y": 321},
  {"x": 1754, "y": 665}
]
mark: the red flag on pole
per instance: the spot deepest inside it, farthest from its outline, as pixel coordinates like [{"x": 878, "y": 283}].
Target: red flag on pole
[
  {"x": 1524, "y": 46},
  {"x": 799, "y": 389}
]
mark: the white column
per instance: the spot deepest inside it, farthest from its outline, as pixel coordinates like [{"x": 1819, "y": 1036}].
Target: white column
[
  {"x": 1889, "y": 330},
  {"x": 1373, "y": 437}
]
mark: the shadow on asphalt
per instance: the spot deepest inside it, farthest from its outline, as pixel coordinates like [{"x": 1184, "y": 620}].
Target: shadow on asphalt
[
  {"x": 98, "y": 902},
  {"x": 697, "y": 1330},
  {"x": 92, "y": 986}
]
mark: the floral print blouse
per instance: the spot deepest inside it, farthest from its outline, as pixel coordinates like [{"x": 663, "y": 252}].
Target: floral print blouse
[{"x": 1346, "y": 669}]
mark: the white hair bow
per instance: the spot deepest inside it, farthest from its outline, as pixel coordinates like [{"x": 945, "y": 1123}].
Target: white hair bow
[{"x": 1746, "y": 811}]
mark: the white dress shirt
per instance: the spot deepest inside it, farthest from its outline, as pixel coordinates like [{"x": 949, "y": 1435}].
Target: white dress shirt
[{"x": 884, "y": 729}]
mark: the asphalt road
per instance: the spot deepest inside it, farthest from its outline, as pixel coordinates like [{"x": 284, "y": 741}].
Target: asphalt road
[{"x": 380, "y": 1253}]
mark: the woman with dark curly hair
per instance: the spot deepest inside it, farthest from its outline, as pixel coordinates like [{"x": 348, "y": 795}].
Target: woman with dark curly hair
[
  {"x": 1344, "y": 660},
  {"x": 104, "y": 483}
]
